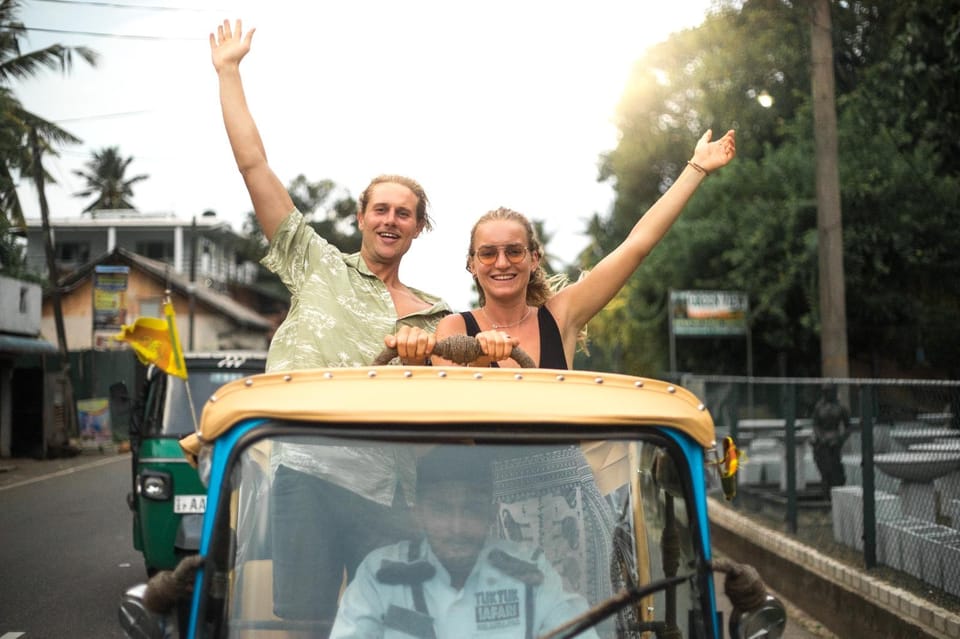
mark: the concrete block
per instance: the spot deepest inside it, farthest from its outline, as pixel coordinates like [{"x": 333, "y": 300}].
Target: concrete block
[
  {"x": 852, "y": 469},
  {"x": 911, "y": 547},
  {"x": 798, "y": 464},
  {"x": 887, "y": 506},
  {"x": 884, "y": 482},
  {"x": 933, "y": 552},
  {"x": 810, "y": 470},
  {"x": 952, "y": 512},
  {"x": 951, "y": 568},
  {"x": 890, "y": 539},
  {"x": 846, "y": 511},
  {"x": 919, "y": 500},
  {"x": 948, "y": 489}
]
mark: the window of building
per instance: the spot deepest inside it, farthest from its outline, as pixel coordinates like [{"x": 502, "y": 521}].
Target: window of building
[
  {"x": 73, "y": 252},
  {"x": 161, "y": 251},
  {"x": 151, "y": 307}
]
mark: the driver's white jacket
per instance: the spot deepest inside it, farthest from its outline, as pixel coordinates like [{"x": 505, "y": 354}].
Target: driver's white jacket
[{"x": 511, "y": 592}]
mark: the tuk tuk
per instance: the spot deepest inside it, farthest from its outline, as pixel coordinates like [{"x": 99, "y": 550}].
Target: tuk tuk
[
  {"x": 166, "y": 498},
  {"x": 605, "y": 475}
]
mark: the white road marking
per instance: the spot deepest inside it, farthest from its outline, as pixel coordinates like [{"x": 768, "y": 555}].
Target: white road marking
[
  {"x": 12, "y": 635},
  {"x": 61, "y": 473}
]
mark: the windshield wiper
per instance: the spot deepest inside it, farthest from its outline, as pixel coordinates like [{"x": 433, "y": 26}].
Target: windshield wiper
[{"x": 611, "y": 606}]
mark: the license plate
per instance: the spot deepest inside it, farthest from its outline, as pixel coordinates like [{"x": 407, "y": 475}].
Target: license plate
[{"x": 189, "y": 504}]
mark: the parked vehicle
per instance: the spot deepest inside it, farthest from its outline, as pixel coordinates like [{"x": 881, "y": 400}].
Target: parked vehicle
[
  {"x": 167, "y": 498},
  {"x": 606, "y": 474}
]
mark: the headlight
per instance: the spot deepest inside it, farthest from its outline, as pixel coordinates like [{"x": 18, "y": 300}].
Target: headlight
[
  {"x": 769, "y": 621},
  {"x": 156, "y": 485},
  {"x": 205, "y": 464}
]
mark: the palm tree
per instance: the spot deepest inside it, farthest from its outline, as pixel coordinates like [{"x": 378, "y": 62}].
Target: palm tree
[
  {"x": 106, "y": 178},
  {"x": 16, "y": 156}
]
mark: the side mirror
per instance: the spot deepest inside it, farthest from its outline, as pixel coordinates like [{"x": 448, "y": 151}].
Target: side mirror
[
  {"x": 767, "y": 621},
  {"x": 138, "y": 622}
]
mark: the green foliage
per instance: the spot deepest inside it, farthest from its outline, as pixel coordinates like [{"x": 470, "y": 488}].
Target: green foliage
[
  {"x": 753, "y": 226},
  {"x": 106, "y": 178},
  {"x": 335, "y": 222},
  {"x": 16, "y": 155}
]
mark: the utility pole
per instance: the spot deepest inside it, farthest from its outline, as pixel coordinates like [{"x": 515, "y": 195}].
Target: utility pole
[
  {"x": 69, "y": 409},
  {"x": 833, "y": 309},
  {"x": 192, "y": 286}
]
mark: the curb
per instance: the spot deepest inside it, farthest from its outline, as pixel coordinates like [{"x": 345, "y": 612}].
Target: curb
[{"x": 844, "y": 599}]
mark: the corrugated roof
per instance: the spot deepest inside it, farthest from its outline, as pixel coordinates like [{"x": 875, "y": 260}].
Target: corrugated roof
[{"x": 221, "y": 303}]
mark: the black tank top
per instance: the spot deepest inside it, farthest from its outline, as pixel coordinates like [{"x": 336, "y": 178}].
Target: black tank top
[{"x": 551, "y": 345}]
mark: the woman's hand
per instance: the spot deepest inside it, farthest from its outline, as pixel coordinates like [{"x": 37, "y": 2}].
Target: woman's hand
[
  {"x": 713, "y": 155},
  {"x": 496, "y": 345}
]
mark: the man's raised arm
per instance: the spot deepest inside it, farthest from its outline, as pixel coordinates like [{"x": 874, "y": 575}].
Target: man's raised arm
[{"x": 271, "y": 202}]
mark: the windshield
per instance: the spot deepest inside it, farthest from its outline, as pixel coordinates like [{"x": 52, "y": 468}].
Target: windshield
[
  {"x": 499, "y": 540},
  {"x": 178, "y": 418}
]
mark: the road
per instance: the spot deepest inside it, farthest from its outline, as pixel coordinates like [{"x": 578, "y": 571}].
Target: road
[{"x": 66, "y": 553}]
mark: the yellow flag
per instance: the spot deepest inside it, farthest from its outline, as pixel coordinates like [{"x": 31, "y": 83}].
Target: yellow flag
[{"x": 155, "y": 341}]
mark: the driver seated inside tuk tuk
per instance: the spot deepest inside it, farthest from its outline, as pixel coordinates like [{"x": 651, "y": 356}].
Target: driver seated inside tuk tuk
[{"x": 456, "y": 580}]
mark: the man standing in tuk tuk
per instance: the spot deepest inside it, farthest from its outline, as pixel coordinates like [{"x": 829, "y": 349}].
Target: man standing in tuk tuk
[{"x": 342, "y": 308}]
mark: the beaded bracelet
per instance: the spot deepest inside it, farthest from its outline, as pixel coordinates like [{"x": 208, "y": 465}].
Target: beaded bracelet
[{"x": 698, "y": 167}]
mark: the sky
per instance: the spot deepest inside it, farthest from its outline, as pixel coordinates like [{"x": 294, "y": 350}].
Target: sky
[{"x": 500, "y": 103}]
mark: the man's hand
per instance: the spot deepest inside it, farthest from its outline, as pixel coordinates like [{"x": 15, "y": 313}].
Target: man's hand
[
  {"x": 229, "y": 46},
  {"x": 169, "y": 586},
  {"x": 414, "y": 345}
]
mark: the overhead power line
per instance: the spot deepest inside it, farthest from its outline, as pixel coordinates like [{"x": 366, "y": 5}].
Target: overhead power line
[
  {"x": 124, "y": 36},
  {"x": 118, "y": 5},
  {"x": 103, "y": 116}
]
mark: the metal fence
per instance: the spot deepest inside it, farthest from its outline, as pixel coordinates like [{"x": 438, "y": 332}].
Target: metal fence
[{"x": 888, "y": 488}]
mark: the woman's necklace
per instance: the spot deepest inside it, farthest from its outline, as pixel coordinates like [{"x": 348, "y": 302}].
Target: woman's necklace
[{"x": 499, "y": 326}]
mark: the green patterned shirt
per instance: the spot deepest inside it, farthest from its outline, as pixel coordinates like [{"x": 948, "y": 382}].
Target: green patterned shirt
[
  {"x": 339, "y": 311},
  {"x": 339, "y": 314}
]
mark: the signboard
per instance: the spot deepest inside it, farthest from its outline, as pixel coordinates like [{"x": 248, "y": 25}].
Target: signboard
[
  {"x": 94, "y": 417},
  {"x": 709, "y": 313},
  {"x": 109, "y": 303}
]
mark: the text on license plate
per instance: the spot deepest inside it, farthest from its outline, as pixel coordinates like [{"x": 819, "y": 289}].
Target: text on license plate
[{"x": 189, "y": 504}]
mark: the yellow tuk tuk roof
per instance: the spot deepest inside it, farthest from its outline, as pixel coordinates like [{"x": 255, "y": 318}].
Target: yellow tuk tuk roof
[{"x": 423, "y": 394}]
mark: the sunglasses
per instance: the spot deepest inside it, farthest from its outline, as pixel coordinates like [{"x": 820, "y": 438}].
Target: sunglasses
[{"x": 488, "y": 254}]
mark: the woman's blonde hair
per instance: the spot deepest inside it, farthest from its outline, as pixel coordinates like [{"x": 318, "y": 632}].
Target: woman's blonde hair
[
  {"x": 538, "y": 289},
  {"x": 541, "y": 286}
]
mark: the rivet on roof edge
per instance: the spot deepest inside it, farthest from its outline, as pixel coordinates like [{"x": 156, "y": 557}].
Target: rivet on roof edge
[
  {"x": 638, "y": 384},
  {"x": 518, "y": 376},
  {"x": 407, "y": 373},
  {"x": 212, "y": 399},
  {"x": 701, "y": 407},
  {"x": 287, "y": 378},
  {"x": 597, "y": 380},
  {"x": 371, "y": 374},
  {"x": 478, "y": 375},
  {"x": 249, "y": 382},
  {"x": 328, "y": 375},
  {"x": 441, "y": 373},
  {"x": 671, "y": 389},
  {"x": 560, "y": 378}
]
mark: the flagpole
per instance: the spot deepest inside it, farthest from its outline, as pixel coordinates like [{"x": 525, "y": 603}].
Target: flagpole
[
  {"x": 193, "y": 410},
  {"x": 177, "y": 354}
]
